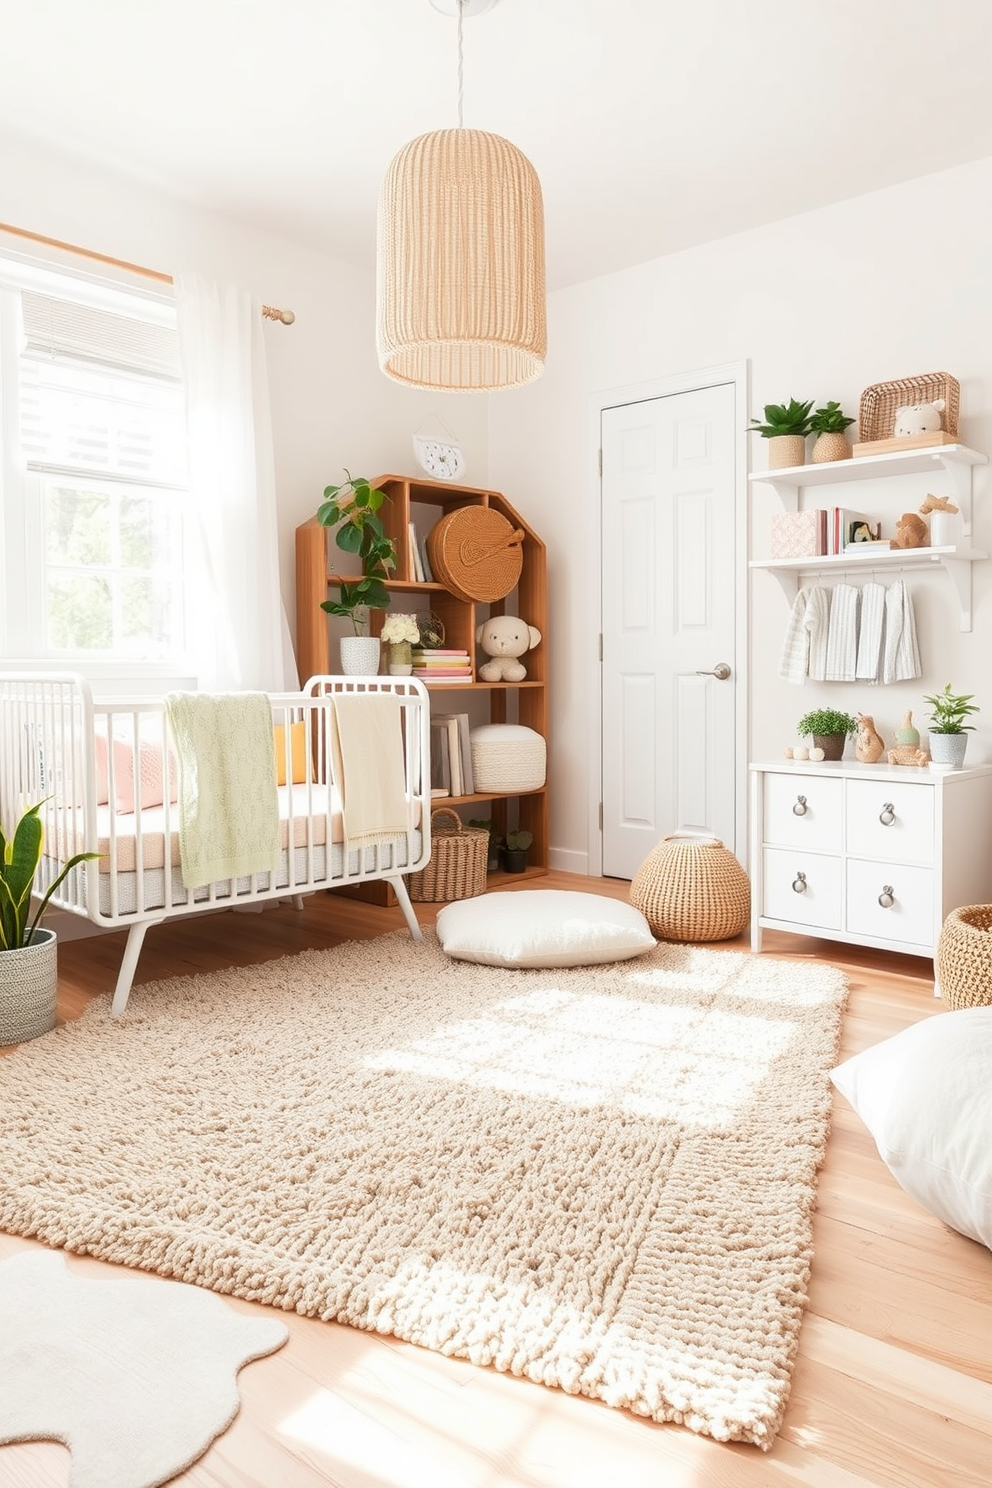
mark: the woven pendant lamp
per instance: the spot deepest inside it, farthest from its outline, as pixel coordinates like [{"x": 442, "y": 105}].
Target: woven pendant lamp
[{"x": 460, "y": 292}]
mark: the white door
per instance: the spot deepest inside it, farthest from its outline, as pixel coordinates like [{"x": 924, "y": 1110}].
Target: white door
[{"x": 669, "y": 604}]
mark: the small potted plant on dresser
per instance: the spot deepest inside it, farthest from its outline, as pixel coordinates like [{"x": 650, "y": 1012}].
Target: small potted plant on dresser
[
  {"x": 948, "y": 734},
  {"x": 828, "y": 424},
  {"x": 786, "y": 427},
  {"x": 351, "y": 510},
  {"x": 829, "y": 730}
]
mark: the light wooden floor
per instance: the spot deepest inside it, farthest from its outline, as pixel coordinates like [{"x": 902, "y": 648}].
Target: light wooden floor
[{"x": 893, "y": 1384}]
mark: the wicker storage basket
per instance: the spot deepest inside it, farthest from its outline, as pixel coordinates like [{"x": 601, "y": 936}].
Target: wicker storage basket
[
  {"x": 28, "y": 984},
  {"x": 877, "y": 411},
  {"x": 692, "y": 888},
  {"x": 457, "y": 867},
  {"x": 963, "y": 962},
  {"x": 476, "y": 553}
]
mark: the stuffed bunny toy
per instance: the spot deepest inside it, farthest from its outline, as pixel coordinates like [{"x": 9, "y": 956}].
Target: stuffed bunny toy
[{"x": 918, "y": 418}]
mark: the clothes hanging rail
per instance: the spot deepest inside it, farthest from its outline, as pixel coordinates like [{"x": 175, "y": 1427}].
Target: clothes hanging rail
[{"x": 269, "y": 312}]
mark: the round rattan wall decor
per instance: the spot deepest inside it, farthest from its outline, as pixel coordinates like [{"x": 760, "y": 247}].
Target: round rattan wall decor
[{"x": 476, "y": 553}]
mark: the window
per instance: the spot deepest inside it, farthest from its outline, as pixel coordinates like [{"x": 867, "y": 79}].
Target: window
[{"x": 94, "y": 472}]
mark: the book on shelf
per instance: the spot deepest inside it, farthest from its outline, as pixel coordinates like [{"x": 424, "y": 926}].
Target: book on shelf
[
  {"x": 426, "y": 561},
  {"x": 877, "y": 545},
  {"x": 845, "y": 524},
  {"x": 461, "y": 726},
  {"x": 416, "y": 564}
]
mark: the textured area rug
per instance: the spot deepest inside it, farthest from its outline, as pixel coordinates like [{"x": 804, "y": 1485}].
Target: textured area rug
[
  {"x": 601, "y": 1179},
  {"x": 136, "y": 1376}
]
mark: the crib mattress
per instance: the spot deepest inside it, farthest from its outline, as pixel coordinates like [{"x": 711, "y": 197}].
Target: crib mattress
[{"x": 309, "y": 869}]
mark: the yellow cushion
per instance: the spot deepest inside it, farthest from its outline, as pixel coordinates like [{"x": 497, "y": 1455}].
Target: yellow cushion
[{"x": 297, "y": 750}]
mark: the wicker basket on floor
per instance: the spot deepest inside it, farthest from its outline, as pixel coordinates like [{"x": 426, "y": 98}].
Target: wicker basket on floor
[
  {"x": 692, "y": 888},
  {"x": 457, "y": 867},
  {"x": 963, "y": 962}
]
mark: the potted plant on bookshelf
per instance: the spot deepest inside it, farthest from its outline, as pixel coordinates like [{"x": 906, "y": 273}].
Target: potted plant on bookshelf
[
  {"x": 351, "y": 510},
  {"x": 828, "y": 424},
  {"x": 28, "y": 965},
  {"x": 948, "y": 733},
  {"x": 829, "y": 730},
  {"x": 514, "y": 850},
  {"x": 786, "y": 427}
]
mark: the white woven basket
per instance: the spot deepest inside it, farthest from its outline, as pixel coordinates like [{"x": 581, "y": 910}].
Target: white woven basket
[
  {"x": 28, "y": 988},
  {"x": 508, "y": 757}
]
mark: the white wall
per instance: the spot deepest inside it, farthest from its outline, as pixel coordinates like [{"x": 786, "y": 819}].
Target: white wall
[
  {"x": 883, "y": 286},
  {"x": 331, "y": 406}
]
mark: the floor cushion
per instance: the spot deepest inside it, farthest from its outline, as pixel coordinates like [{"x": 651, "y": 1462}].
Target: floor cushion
[
  {"x": 543, "y": 927},
  {"x": 926, "y": 1097}
]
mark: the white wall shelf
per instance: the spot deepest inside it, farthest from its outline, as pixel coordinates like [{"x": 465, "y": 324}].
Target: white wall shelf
[{"x": 955, "y": 461}]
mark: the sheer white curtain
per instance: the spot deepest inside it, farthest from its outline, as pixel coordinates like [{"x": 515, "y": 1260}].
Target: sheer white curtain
[{"x": 239, "y": 632}]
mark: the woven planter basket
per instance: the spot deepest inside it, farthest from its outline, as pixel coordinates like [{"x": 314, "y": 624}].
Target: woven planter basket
[
  {"x": 963, "y": 962},
  {"x": 692, "y": 888},
  {"x": 28, "y": 987},
  {"x": 457, "y": 867}
]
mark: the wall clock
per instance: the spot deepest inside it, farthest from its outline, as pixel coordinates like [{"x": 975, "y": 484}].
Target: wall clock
[{"x": 440, "y": 459}]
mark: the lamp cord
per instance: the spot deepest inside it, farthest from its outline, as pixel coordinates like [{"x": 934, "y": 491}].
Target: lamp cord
[{"x": 461, "y": 65}]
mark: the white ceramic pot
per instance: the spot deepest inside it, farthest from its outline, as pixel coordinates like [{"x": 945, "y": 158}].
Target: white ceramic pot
[
  {"x": 28, "y": 987},
  {"x": 947, "y": 751},
  {"x": 360, "y": 655}
]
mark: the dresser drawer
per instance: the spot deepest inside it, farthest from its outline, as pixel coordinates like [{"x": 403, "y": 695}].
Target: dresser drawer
[
  {"x": 908, "y": 919},
  {"x": 817, "y": 898},
  {"x": 890, "y": 820},
  {"x": 803, "y": 811}
]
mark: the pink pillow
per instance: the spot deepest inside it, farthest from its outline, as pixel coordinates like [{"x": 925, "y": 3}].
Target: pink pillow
[
  {"x": 149, "y": 774},
  {"x": 102, "y": 768}
]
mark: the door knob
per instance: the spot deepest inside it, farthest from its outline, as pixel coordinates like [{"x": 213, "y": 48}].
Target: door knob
[{"x": 721, "y": 671}]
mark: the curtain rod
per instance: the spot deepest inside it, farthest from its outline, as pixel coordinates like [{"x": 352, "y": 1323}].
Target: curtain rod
[{"x": 269, "y": 312}]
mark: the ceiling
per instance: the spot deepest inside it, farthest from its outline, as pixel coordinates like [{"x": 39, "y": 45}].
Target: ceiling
[{"x": 653, "y": 125}]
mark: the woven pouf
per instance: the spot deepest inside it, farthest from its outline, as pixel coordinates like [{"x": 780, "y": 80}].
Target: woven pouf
[
  {"x": 692, "y": 888},
  {"x": 963, "y": 963},
  {"x": 508, "y": 757}
]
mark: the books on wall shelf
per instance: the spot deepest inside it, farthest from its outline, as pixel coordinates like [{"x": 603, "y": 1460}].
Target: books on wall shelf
[
  {"x": 432, "y": 665},
  {"x": 451, "y": 755},
  {"x": 821, "y": 532}
]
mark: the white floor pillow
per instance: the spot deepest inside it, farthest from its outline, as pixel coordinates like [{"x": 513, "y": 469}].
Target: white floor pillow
[
  {"x": 926, "y": 1097},
  {"x": 543, "y": 927}
]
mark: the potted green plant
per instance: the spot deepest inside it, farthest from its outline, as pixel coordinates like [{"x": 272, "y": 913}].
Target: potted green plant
[
  {"x": 514, "y": 850},
  {"x": 829, "y": 730},
  {"x": 352, "y": 510},
  {"x": 828, "y": 424},
  {"x": 785, "y": 427},
  {"x": 28, "y": 966},
  {"x": 948, "y": 734}
]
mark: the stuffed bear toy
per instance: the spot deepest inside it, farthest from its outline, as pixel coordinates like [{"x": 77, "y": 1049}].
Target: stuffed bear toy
[
  {"x": 918, "y": 418},
  {"x": 504, "y": 638},
  {"x": 911, "y": 532}
]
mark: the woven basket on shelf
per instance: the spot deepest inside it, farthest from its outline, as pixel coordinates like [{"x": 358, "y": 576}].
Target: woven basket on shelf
[
  {"x": 476, "y": 553},
  {"x": 963, "y": 962},
  {"x": 692, "y": 888},
  {"x": 457, "y": 867},
  {"x": 877, "y": 410}
]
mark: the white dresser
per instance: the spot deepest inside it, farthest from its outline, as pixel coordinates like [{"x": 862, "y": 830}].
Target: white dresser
[{"x": 876, "y": 855}]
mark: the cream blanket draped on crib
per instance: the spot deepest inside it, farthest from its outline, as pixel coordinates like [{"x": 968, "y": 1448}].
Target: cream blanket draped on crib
[{"x": 228, "y": 800}]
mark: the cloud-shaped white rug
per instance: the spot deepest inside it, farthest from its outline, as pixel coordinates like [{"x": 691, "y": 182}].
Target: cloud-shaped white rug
[{"x": 136, "y": 1376}]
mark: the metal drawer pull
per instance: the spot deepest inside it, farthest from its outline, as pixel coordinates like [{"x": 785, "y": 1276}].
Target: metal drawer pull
[
  {"x": 799, "y": 883},
  {"x": 800, "y": 807},
  {"x": 886, "y": 898},
  {"x": 887, "y": 815}
]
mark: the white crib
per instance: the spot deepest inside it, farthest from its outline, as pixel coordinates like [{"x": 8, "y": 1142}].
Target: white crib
[{"x": 50, "y": 733}]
